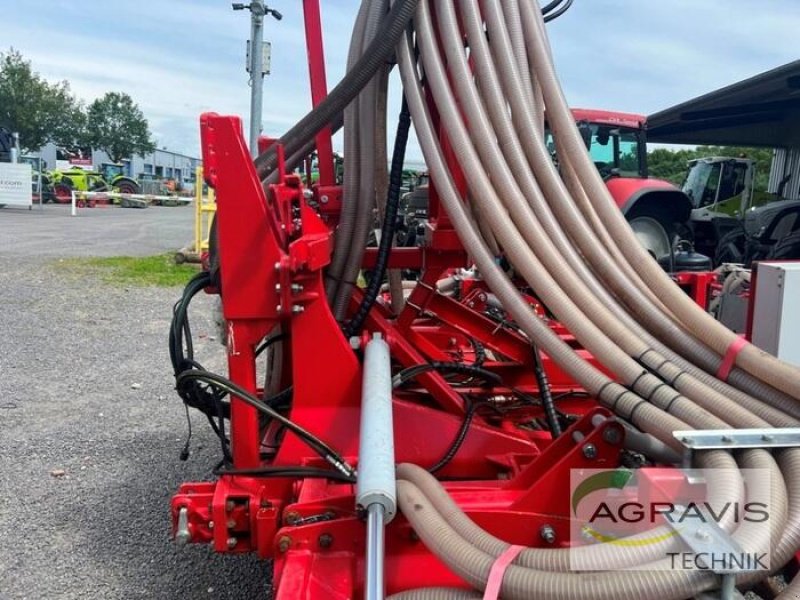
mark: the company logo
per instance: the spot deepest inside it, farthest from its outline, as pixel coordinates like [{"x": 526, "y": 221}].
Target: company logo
[
  {"x": 10, "y": 183},
  {"x": 683, "y": 517}
]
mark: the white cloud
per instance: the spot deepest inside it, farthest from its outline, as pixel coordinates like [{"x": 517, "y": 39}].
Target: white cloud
[{"x": 178, "y": 58}]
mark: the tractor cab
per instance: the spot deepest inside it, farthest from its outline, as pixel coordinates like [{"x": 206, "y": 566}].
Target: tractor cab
[
  {"x": 110, "y": 171},
  {"x": 616, "y": 151},
  {"x": 719, "y": 185}
]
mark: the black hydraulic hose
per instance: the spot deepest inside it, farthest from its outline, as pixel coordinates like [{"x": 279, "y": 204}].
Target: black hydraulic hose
[
  {"x": 375, "y": 55},
  {"x": 312, "y": 441},
  {"x": 405, "y": 375},
  {"x": 552, "y": 5},
  {"x": 550, "y": 16},
  {"x": 545, "y": 396},
  {"x": 461, "y": 435},
  {"x": 389, "y": 223}
]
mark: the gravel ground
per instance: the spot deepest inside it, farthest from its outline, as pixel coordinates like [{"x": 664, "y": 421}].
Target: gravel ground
[{"x": 85, "y": 389}]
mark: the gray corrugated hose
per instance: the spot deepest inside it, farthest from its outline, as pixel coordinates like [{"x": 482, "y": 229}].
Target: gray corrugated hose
[
  {"x": 562, "y": 280},
  {"x": 569, "y": 241}
]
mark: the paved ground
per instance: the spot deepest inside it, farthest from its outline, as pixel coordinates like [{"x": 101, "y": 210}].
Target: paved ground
[
  {"x": 72, "y": 348},
  {"x": 114, "y": 231}
]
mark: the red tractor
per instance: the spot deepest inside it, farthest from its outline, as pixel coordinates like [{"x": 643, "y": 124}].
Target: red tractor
[{"x": 657, "y": 210}]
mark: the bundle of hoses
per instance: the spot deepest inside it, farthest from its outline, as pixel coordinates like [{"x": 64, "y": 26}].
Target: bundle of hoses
[{"x": 566, "y": 238}]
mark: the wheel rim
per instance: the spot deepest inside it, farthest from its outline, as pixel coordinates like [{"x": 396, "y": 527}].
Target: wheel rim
[
  {"x": 652, "y": 235},
  {"x": 62, "y": 194}
]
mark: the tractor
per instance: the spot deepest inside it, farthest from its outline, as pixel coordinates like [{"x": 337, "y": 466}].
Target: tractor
[
  {"x": 110, "y": 177},
  {"x": 658, "y": 212},
  {"x": 734, "y": 223}
]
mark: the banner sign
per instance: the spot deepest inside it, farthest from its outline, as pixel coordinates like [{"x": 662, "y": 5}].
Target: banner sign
[{"x": 15, "y": 184}]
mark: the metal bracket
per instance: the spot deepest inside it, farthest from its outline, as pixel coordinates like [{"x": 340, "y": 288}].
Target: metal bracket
[
  {"x": 735, "y": 439},
  {"x": 709, "y": 537}
]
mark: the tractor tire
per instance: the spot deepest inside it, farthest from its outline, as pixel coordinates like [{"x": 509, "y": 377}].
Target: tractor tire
[
  {"x": 731, "y": 248},
  {"x": 62, "y": 192},
  {"x": 787, "y": 248},
  {"x": 127, "y": 186}
]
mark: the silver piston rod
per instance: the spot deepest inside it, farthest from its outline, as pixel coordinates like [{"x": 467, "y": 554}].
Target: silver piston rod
[{"x": 376, "y": 489}]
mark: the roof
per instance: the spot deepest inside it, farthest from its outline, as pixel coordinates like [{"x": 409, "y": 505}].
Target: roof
[
  {"x": 608, "y": 117},
  {"x": 761, "y": 111}
]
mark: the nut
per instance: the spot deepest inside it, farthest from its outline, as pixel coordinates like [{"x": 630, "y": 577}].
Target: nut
[
  {"x": 284, "y": 543},
  {"x": 325, "y": 540},
  {"x": 548, "y": 533},
  {"x": 590, "y": 451},
  {"x": 612, "y": 435}
]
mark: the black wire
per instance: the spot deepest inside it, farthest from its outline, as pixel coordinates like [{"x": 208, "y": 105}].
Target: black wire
[
  {"x": 312, "y": 441},
  {"x": 278, "y": 337},
  {"x": 389, "y": 224},
  {"x": 455, "y": 446},
  {"x": 288, "y": 471},
  {"x": 557, "y": 13},
  {"x": 446, "y": 367},
  {"x": 548, "y": 7}
]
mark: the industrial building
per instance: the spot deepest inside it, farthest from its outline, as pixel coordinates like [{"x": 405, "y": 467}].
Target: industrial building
[{"x": 160, "y": 164}]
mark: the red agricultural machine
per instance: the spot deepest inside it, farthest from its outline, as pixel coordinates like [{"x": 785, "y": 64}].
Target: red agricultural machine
[
  {"x": 657, "y": 210},
  {"x": 422, "y": 439}
]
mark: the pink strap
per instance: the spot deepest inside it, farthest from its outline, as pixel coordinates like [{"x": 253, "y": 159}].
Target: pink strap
[
  {"x": 730, "y": 358},
  {"x": 498, "y": 570}
]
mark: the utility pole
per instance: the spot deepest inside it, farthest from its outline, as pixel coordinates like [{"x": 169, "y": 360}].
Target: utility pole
[{"x": 255, "y": 64}]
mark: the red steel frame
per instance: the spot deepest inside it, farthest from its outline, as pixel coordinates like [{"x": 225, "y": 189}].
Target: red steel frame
[{"x": 273, "y": 247}]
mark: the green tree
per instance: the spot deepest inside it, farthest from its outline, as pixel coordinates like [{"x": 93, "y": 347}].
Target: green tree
[
  {"x": 116, "y": 125},
  {"x": 39, "y": 111},
  {"x": 671, "y": 164}
]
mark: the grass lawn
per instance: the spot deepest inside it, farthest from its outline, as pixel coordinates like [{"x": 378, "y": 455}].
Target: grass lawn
[{"x": 159, "y": 270}]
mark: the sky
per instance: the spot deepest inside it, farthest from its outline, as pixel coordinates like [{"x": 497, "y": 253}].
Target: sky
[{"x": 180, "y": 58}]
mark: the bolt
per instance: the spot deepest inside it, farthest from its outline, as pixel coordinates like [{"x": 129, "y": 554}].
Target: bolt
[
  {"x": 211, "y": 524},
  {"x": 612, "y": 435},
  {"x": 277, "y": 287},
  {"x": 548, "y": 533},
  {"x": 291, "y": 518},
  {"x": 355, "y": 342},
  {"x": 324, "y": 199},
  {"x": 767, "y": 438},
  {"x": 482, "y": 297},
  {"x": 284, "y": 543},
  {"x": 296, "y": 308},
  {"x": 296, "y": 288},
  {"x": 266, "y": 504},
  {"x": 232, "y": 541},
  {"x": 727, "y": 439},
  {"x": 231, "y": 523},
  {"x": 325, "y": 540},
  {"x": 590, "y": 451},
  {"x": 277, "y": 266},
  {"x": 229, "y": 506},
  {"x": 279, "y": 308}
]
